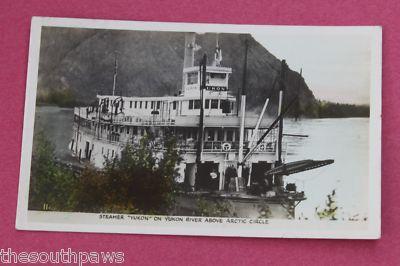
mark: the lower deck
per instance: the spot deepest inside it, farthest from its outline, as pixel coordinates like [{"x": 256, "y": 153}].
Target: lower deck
[{"x": 219, "y": 163}]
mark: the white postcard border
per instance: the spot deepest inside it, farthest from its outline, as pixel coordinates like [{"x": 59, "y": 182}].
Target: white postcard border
[{"x": 83, "y": 222}]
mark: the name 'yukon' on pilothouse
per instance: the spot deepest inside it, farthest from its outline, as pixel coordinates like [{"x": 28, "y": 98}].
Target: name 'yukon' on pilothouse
[{"x": 226, "y": 153}]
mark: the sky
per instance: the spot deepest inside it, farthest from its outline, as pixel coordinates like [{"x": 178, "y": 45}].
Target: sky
[{"x": 335, "y": 66}]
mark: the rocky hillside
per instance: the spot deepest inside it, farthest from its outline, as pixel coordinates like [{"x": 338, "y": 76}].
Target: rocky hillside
[{"x": 80, "y": 62}]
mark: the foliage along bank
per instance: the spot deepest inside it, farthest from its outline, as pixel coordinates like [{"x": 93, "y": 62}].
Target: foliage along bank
[{"x": 137, "y": 182}]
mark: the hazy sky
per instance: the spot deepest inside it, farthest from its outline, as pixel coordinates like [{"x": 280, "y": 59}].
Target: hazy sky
[{"x": 335, "y": 66}]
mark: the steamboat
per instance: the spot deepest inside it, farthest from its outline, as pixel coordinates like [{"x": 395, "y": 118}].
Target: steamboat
[{"x": 227, "y": 155}]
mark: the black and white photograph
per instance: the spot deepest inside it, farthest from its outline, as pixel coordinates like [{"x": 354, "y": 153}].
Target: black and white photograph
[{"x": 202, "y": 129}]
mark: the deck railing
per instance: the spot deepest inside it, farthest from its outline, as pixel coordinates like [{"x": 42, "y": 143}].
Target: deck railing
[
  {"x": 225, "y": 146},
  {"x": 189, "y": 146},
  {"x": 144, "y": 120},
  {"x": 152, "y": 120}
]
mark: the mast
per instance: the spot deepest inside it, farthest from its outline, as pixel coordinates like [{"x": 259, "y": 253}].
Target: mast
[
  {"x": 188, "y": 56},
  {"x": 115, "y": 73},
  {"x": 200, "y": 137},
  {"x": 271, "y": 127},
  {"x": 253, "y": 136},
  {"x": 278, "y": 178},
  {"x": 190, "y": 43},
  {"x": 77, "y": 130},
  {"x": 242, "y": 119},
  {"x": 218, "y": 53},
  {"x": 280, "y": 127},
  {"x": 278, "y": 122}
]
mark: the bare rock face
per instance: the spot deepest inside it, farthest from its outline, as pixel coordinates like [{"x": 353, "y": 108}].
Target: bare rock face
[{"x": 150, "y": 64}]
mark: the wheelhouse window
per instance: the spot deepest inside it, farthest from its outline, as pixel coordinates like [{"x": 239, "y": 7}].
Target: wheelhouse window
[
  {"x": 192, "y": 78},
  {"x": 130, "y": 104},
  {"x": 158, "y": 104},
  {"x": 174, "y": 105},
  {"x": 218, "y": 75},
  {"x": 145, "y": 105},
  {"x": 135, "y": 104},
  {"x": 191, "y": 104}
]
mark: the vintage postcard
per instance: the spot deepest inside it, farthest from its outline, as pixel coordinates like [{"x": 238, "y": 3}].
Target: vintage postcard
[{"x": 202, "y": 129}]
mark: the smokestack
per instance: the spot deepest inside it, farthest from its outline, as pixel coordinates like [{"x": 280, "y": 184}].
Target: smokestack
[{"x": 190, "y": 38}]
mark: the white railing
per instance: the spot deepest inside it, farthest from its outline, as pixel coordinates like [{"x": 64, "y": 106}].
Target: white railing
[
  {"x": 225, "y": 146},
  {"x": 144, "y": 120}
]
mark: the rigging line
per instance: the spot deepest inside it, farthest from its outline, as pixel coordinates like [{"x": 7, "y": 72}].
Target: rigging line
[{"x": 269, "y": 129}]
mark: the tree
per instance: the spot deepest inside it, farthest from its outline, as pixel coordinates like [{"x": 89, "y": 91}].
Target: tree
[
  {"x": 340, "y": 110},
  {"x": 330, "y": 210},
  {"x": 51, "y": 184},
  {"x": 141, "y": 180}
]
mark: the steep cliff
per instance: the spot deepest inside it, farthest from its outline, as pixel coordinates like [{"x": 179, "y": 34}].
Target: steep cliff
[{"x": 81, "y": 62}]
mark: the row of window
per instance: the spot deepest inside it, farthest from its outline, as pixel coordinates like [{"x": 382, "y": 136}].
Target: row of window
[
  {"x": 192, "y": 77},
  {"x": 193, "y": 104},
  {"x": 113, "y": 137},
  {"x": 121, "y": 129},
  {"x": 152, "y": 105},
  {"x": 210, "y": 134},
  {"x": 113, "y": 129},
  {"x": 196, "y": 104},
  {"x": 218, "y": 135},
  {"x": 108, "y": 152},
  {"x": 145, "y": 104}
]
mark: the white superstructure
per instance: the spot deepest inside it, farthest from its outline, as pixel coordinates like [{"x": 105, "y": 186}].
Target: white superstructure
[{"x": 104, "y": 129}]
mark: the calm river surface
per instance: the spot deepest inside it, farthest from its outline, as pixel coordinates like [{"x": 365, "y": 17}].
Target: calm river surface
[{"x": 344, "y": 140}]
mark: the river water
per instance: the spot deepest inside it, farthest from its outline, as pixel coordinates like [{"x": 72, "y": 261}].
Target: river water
[
  {"x": 345, "y": 140},
  {"x": 57, "y": 124}
]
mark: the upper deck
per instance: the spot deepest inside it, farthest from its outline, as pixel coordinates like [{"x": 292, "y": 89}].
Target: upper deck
[
  {"x": 167, "y": 106},
  {"x": 167, "y": 116}
]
